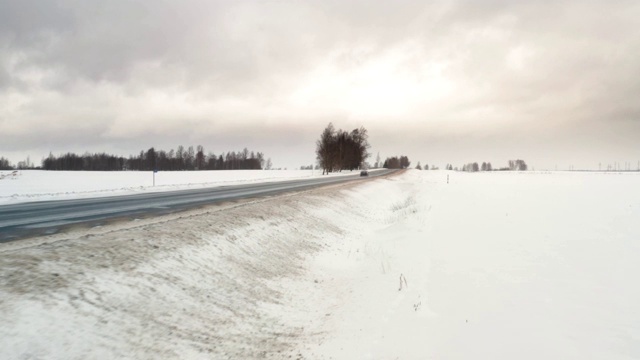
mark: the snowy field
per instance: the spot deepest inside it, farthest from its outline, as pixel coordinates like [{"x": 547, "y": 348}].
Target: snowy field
[
  {"x": 38, "y": 185},
  {"x": 489, "y": 266}
]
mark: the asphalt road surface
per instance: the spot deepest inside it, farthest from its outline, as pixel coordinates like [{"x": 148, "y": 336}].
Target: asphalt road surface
[{"x": 48, "y": 217}]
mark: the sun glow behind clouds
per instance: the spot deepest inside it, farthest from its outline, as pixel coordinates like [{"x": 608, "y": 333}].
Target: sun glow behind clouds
[
  {"x": 525, "y": 75},
  {"x": 392, "y": 83}
]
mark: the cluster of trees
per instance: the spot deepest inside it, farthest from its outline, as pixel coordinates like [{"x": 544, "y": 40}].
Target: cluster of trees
[
  {"x": 513, "y": 165},
  {"x": 5, "y": 164},
  {"x": 152, "y": 159},
  {"x": 518, "y": 165},
  {"x": 338, "y": 150},
  {"x": 473, "y": 167},
  {"x": 96, "y": 162},
  {"x": 395, "y": 162},
  {"x": 426, "y": 166},
  {"x": 26, "y": 164},
  {"x": 197, "y": 159}
]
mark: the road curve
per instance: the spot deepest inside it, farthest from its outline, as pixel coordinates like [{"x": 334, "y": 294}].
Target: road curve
[{"x": 38, "y": 218}]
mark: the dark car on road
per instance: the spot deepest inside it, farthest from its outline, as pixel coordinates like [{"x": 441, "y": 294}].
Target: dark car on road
[{"x": 364, "y": 173}]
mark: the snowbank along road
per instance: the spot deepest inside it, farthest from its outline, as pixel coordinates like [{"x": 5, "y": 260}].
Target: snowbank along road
[
  {"x": 29, "y": 219},
  {"x": 490, "y": 266}
]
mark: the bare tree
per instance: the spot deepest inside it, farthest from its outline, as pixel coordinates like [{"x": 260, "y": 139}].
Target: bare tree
[
  {"x": 150, "y": 160},
  {"x": 180, "y": 158},
  {"x": 200, "y": 158},
  {"x": 326, "y": 149}
]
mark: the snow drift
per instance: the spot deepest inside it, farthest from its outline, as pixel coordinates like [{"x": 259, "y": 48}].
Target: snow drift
[{"x": 492, "y": 265}]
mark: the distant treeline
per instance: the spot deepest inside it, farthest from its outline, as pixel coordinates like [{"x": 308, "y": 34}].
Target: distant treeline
[
  {"x": 518, "y": 165},
  {"x": 341, "y": 150},
  {"x": 395, "y": 162},
  {"x": 473, "y": 167},
  {"x": 513, "y": 165},
  {"x": 152, "y": 159},
  {"x": 5, "y": 164}
]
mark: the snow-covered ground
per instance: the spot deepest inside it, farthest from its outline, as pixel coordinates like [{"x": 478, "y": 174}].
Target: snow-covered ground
[
  {"x": 489, "y": 266},
  {"x": 37, "y": 185}
]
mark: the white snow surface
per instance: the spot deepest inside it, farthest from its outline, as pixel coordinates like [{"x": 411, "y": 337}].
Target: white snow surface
[
  {"x": 40, "y": 185},
  {"x": 490, "y": 266}
]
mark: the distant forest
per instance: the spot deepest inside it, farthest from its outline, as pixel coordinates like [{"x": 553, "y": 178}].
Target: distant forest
[
  {"x": 514, "y": 165},
  {"x": 152, "y": 159}
]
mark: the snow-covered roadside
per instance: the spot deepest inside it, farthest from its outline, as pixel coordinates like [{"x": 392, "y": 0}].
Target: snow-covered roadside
[
  {"x": 499, "y": 265},
  {"x": 37, "y": 185},
  {"x": 224, "y": 282}
]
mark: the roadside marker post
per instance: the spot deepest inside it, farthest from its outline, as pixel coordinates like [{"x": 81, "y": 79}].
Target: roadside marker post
[{"x": 154, "y": 176}]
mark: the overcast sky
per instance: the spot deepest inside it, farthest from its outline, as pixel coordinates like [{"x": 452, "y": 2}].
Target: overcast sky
[{"x": 551, "y": 82}]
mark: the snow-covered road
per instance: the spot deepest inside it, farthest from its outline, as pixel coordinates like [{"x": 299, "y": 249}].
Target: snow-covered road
[{"x": 499, "y": 265}]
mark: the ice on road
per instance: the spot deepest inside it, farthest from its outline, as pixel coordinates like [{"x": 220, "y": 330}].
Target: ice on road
[{"x": 492, "y": 265}]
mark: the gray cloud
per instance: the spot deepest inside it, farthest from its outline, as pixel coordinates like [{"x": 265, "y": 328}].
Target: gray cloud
[{"x": 452, "y": 81}]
